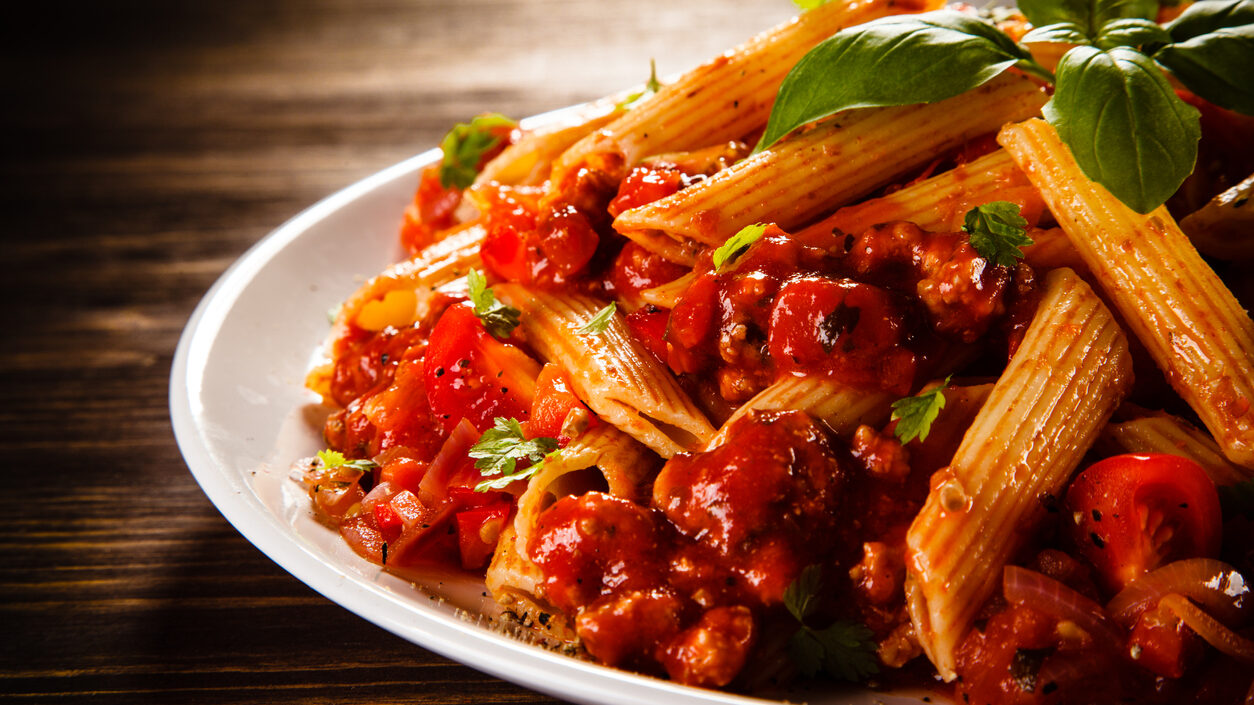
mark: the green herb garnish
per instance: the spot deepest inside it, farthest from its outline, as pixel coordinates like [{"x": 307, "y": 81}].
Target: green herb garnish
[
  {"x": 737, "y": 244},
  {"x": 843, "y": 650},
  {"x": 914, "y": 415},
  {"x": 600, "y": 321},
  {"x": 651, "y": 87},
  {"x": 1112, "y": 105},
  {"x": 501, "y": 447},
  {"x": 465, "y": 145},
  {"x": 997, "y": 231},
  {"x": 332, "y": 459},
  {"x": 498, "y": 319}
]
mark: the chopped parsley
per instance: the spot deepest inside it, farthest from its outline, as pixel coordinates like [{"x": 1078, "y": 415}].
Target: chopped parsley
[
  {"x": 332, "y": 459},
  {"x": 600, "y": 321},
  {"x": 499, "y": 320},
  {"x": 997, "y": 231},
  {"x": 736, "y": 244},
  {"x": 501, "y": 447},
  {"x": 914, "y": 415},
  {"x": 843, "y": 650},
  {"x": 465, "y": 145}
]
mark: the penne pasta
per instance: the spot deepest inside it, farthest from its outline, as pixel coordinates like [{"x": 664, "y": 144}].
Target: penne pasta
[
  {"x": 1044, "y": 412},
  {"x": 940, "y": 202},
  {"x": 725, "y": 99},
  {"x": 1177, "y": 306},
  {"x": 612, "y": 373},
  {"x": 840, "y": 159},
  {"x": 1164, "y": 433},
  {"x": 842, "y": 408}
]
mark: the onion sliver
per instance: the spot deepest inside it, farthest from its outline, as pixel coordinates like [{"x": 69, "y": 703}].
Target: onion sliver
[
  {"x": 1044, "y": 594},
  {"x": 1215, "y": 585},
  {"x": 1209, "y": 628}
]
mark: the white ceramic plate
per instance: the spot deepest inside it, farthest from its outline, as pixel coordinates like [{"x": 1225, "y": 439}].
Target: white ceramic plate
[{"x": 241, "y": 416}]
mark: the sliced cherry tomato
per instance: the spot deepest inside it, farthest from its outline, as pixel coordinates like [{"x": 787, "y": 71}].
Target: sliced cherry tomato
[
  {"x": 469, "y": 374},
  {"x": 1134, "y": 513},
  {"x": 636, "y": 269},
  {"x": 554, "y": 401}
]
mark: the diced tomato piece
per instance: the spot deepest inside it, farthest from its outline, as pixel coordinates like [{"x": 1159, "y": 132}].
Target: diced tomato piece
[
  {"x": 469, "y": 374},
  {"x": 646, "y": 184},
  {"x": 636, "y": 269},
  {"x": 388, "y": 521},
  {"x": 478, "y": 529},
  {"x": 554, "y": 401},
  {"x": 648, "y": 324},
  {"x": 432, "y": 210}
]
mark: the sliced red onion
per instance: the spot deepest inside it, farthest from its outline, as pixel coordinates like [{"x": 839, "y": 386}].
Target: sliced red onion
[
  {"x": 1044, "y": 594},
  {"x": 1209, "y": 628},
  {"x": 1215, "y": 585}
]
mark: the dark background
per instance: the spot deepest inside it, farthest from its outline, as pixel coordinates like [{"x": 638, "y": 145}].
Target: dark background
[{"x": 146, "y": 145}]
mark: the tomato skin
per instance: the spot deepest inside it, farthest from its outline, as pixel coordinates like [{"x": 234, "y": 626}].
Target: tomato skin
[
  {"x": 469, "y": 374},
  {"x": 648, "y": 325},
  {"x": 636, "y": 269},
  {"x": 431, "y": 211},
  {"x": 477, "y": 531},
  {"x": 1134, "y": 513},
  {"x": 554, "y": 401}
]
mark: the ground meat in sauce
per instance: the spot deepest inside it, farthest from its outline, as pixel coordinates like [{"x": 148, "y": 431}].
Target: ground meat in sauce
[
  {"x": 875, "y": 311},
  {"x": 679, "y": 586}
]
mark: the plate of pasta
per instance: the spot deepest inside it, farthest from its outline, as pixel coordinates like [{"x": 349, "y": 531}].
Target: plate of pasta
[{"x": 758, "y": 384}]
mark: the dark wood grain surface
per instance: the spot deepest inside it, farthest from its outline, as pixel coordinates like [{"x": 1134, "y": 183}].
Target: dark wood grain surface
[{"x": 146, "y": 145}]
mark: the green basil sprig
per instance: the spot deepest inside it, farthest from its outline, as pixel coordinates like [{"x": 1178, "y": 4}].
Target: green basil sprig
[{"x": 1112, "y": 105}]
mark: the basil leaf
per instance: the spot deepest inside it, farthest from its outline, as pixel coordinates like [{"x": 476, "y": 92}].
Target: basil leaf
[
  {"x": 900, "y": 60},
  {"x": 1089, "y": 15},
  {"x": 1130, "y": 32},
  {"x": 1125, "y": 126},
  {"x": 1218, "y": 66},
  {"x": 1209, "y": 16},
  {"x": 1061, "y": 33}
]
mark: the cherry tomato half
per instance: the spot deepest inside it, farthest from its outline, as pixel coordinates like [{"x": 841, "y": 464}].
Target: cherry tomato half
[{"x": 1134, "y": 513}]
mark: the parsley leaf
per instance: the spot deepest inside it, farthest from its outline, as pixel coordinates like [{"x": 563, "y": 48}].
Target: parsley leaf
[
  {"x": 501, "y": 447},
  {"x": 651, "y": 87},
  {"x": 465, "y": 145},
  {"x": 332, "y": 459},
  {"x": 599, "y": 322},
  {"x": 737, "y": 244},
  {"x": 914, "y": 415},
  {"x": 996, "y": 231},
  {"x": 499, "y": 320},
  {"x": 843, "y": 650}
]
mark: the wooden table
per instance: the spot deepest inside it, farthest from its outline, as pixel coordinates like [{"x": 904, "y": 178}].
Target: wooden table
[{"x": 147, "y": 144}]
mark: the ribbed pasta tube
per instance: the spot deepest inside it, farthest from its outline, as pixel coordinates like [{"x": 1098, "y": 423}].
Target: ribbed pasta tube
[
  {"x": 940, "y": 203},
  {"x": 845, "y": 157},
  {"x": 841, "y": 407},
  {"x": 1182, "y": 312},
  {"x": 1164, "y": 433},
  {"x": 726, "y": 98},
  {"x": 1054, "y": 397},
  {"x": 623, "y": 468},
  {"x": 611, "y": 372}
]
